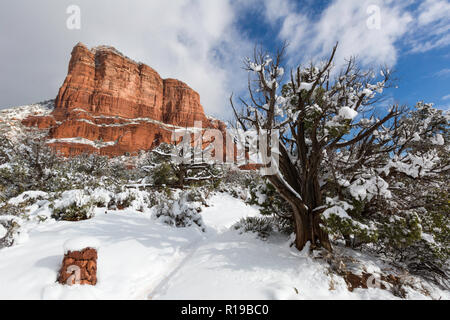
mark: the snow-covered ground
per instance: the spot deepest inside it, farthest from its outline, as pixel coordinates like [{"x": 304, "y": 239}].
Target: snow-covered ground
[
  {"x": 142, "y": 258},
  {"x": 22, "y": 112}
]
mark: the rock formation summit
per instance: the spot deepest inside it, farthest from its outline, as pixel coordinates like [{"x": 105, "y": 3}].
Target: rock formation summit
[{"x": 112, "y": 105}]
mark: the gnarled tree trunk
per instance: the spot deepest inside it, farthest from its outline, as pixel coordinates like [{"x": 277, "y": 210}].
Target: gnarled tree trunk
[
  {"x": 306, "y": 220},
  {"x": 307, "y": 228}
]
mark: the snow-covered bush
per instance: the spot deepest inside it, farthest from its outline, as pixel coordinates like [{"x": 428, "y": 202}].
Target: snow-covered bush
[
  {"x": 181, "y": 210},
  {"x": 262, "y": 226},
  {"x": 163, "y": 175},
  {"x": 238, "y": 183},
  {"x": 73, "y": 205},
  {"x": 233, "y": 176},
  {"x": 93, "y": 171},
  {"x": 29, "y": 164},
  {"x": 159, "y": 167},
  {"x": 264, "y": 195},
  {"x": 90, "y": 164},
  {"x": 274, "y": 210},
  {"x": 80, "y": 204},
  {"x": 346, "y": 165},
  {"x": 403, "y": 234},
  {"x": 9, "y": 224},
  {"x": 265, "y": 225},
  {"x": 25, "y": 164},
  {"x": 401, "y": 196},
  {"x": 74, "y": 212},
  {"x": 344, "y": 221},
  {"x": 135, "y": 199},
  {"x": 8, "y": 232}
]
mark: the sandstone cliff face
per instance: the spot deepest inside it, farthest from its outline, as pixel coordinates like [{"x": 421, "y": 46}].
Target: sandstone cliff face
[
  {"x": 112, "y": 105},
  {"x": 181, "y": 104}
]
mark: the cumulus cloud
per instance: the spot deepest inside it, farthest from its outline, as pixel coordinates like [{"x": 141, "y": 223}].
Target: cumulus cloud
[
  {"x": 367, "y": 29},
  {"x": 433, "y": 10},
  {"x": 443, "y": 73},
  {"x": 373, "y": 30},
  {"x": 431, "y": 27}
]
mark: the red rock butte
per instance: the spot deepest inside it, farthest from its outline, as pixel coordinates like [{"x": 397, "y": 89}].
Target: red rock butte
[{"x": 112, "y": 105}]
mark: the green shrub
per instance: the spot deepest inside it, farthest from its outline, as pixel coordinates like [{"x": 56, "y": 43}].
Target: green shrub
[
  {"x": 265, "y": 226},
  {"x": 262, "y": 226},
  {"x": 74, "y": 212},
  {"x": 12, "y": 228},
  {"x": 264, "y": 195},
  {"x": 163, "y": 175}
]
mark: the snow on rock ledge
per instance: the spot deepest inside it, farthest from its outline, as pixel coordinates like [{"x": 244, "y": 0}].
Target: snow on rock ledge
[{"x": 81, "y": 243}]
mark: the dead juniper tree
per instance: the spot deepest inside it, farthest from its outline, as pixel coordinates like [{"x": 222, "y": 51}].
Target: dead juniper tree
[{"x": 317, "y": 113}]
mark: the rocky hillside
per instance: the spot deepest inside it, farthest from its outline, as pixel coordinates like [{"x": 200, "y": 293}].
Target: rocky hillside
[
  {"x": 11, "y": 119},
  {"x": 112, "y": 105}
]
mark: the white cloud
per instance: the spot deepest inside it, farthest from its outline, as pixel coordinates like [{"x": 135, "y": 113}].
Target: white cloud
[
  {"x": 443, "y": 73},
  {"x": 194, "y": 41},
  {"x": 420, "y": 26},
  {"x": 276, "y": 9},
  {"x": 431, "y": 26},
  {"x": 447, "y": 97},
  {"x": 431, "y": 11},
  {"x": 347, "y": 22}
]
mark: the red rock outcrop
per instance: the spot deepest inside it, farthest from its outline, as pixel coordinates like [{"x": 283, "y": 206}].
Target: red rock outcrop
[
  {"x": 45, "y": 122},
  {"x": 111, "y": 105}
]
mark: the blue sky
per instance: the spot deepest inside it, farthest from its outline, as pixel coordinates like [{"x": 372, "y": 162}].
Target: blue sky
[
  {"x": 424, "y": 76},
  {"x": 203, "y": 42}
]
